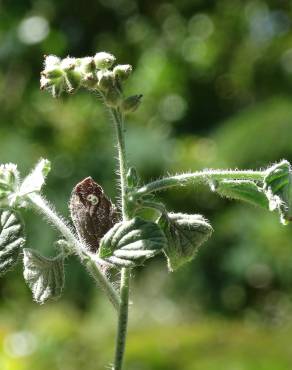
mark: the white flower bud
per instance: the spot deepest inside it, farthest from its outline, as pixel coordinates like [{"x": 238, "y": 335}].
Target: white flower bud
[
  {"x": 122, "y": 71},
  {"x": 89, "y": 81},
  {"x": 87, "y": 65},
  {"x": 105, "y": 80},
  {"x": 51, "y": 61},
  {"x": 104, "y": 60},
  {"x": 68, "y": 63},
  {"x": 45, "y": 83}
]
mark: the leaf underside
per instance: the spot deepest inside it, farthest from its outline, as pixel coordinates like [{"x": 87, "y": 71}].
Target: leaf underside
[
  {"x": 11, "y": 240},
  {"x": 44, "y": 276},
  {"x": 185, "y": 234}
]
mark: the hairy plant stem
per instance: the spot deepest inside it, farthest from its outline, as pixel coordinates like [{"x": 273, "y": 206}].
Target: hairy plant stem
[
  {"x": 125, "y": 273},
  {"x": 120, "y": 133},
  {"x": 42, "y": 206},
  {"x": 122, "y": 319},
  {"x": 199, "y": 177}
]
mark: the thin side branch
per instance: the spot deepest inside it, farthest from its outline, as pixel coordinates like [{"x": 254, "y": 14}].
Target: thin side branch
[{"x": 197, "y": 177}]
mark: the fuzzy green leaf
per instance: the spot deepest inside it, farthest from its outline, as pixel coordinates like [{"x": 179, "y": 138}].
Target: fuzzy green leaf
[
  {"x": 278, "y": 189},
  {"x": 130, "y": 243},
  {"x": 244, "y": 190},
  {"x": 44, "y": 276},
  {"x": 11, "y": 239},
  {"x": 36, "y": 179},
  {"x": 185, "y": 234},
  {"x": 9, "y": 183}
]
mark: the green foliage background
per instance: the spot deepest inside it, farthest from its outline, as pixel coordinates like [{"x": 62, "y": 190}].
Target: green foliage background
[{"x": 217, "y": 83}]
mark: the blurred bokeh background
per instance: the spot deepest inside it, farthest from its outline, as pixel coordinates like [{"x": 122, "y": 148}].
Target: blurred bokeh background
[{"x": 217, "y": 83}]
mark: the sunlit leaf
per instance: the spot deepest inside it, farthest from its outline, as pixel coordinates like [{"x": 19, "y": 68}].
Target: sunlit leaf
[
  {"x": 185, "y": 234},
  {"x": 11, "y": 239},
  {"x": 130, "y": 243},
  {"x": 36, "y": 179},
  {"x": 278, "y": 189},
  {"x": 44, "y": 276},
  {"x": 244, "y": 190}
]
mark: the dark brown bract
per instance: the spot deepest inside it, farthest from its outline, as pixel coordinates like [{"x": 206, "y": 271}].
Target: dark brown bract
[{"x": 92, "y": 212}]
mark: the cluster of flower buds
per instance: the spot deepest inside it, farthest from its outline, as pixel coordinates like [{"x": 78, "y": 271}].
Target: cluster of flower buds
[{"x": 94, "y": 73}]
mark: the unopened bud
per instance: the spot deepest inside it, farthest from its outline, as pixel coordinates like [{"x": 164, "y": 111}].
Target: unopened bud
[
  {"x": 105, "y": 80},
  {"x": 132, "y": 177},
  {"x": 113, "y": 98},
  {"x": 68, "y": 63},
  {"x": 104, "y": 60},
  {"x": 45, "y": 83},
  {"x": 122, "y": 71},
  {"x": 51, "y": 61},
  {"x": 87, "y": 65},
  {"x": 73, "y": 80},
  {"x": 89, "y": 80},
  {"x": 52, "y": 72},
  {"x": 131, "y": 103}
]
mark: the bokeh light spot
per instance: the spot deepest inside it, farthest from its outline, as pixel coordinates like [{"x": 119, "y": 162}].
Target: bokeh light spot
[
  {"x": 259, "y": 275},
  {"x": 20, "y": 344},
  {"x": 194, "y": 50},
  {"x": 201, "y": 26},
  {"x": 172, "y": 108},
  {"x": 33, "y": 30}
]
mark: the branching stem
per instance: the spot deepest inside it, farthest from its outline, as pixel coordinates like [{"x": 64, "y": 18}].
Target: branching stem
[{"x": 42, "y": 206}]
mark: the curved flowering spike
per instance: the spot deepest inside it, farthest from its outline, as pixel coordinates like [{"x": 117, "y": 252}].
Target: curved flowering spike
[
  {"x": 278, "y": 189},
  {"x": 93, "y": 73},
  {"x": 185, "y": 234}
]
